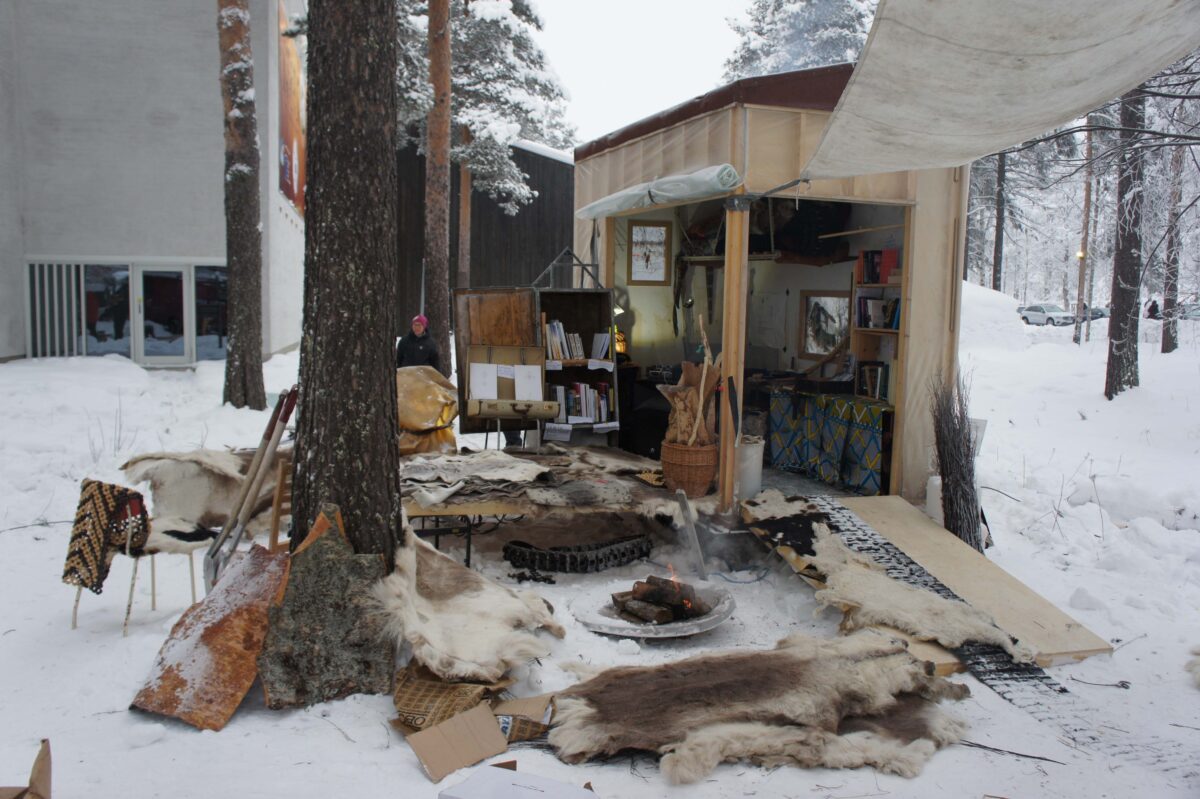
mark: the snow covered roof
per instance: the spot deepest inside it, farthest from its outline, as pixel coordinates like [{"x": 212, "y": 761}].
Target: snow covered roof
[
  {"x": 537, "y": 148},
  {"x": 940, "y": 84},
  {"x": 815, "y": 89}
]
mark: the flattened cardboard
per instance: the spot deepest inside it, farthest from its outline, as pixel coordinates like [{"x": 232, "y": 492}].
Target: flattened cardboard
[
  {"x": 501, "y": 783},
  {"x": 530, "y": 707},
  {"x": 39, "y": 778},
  {"x": 458, "y": 742}
]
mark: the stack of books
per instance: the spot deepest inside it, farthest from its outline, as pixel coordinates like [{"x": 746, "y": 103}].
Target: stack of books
[
  {"x": 561, "y": 345},
  {"x": 580, "y": 403}
]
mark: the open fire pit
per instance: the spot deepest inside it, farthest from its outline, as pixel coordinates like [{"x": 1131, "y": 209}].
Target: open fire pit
[
  {"x": 656, "y": 607},
  {"x": 659, "y": 601}
]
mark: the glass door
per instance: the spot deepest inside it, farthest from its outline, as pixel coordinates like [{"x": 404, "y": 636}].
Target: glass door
[{"x": 163, "y": 330}]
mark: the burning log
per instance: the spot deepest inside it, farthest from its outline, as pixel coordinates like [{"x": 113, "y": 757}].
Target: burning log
[{"x": 659, "y": 601}]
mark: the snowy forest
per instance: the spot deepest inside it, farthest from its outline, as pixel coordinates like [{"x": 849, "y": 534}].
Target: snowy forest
[{"x": 1025, "y": 234}]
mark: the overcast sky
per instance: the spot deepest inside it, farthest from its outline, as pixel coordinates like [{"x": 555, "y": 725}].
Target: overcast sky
[{"x": 621, "y": 60}]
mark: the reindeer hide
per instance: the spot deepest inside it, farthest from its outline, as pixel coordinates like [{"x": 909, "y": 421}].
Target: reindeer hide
[
  {"x": 856, "y": 584},
  {"x": 841, "y": 703},
  {"x": 201, "y": 486},
  {"x": 461, "y": 625}
]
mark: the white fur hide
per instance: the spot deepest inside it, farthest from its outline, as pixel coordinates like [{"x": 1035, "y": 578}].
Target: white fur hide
[
  {"x": 200, "y": 487},
  {"x": 461, "y": 625},
  {"x": 856, "y": 584}
]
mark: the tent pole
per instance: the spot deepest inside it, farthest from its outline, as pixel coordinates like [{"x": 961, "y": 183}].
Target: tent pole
[{"x": 733, "y": 333}]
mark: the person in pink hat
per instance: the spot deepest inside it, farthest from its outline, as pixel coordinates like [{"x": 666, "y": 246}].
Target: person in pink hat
[{"x": 417, "y": 348}]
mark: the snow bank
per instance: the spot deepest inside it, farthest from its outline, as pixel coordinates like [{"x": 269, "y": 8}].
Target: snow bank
[{"x": 989, "y": 319}]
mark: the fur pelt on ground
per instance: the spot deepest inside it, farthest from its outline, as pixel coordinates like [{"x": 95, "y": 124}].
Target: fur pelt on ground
[
  {"x": 461, "y": 625},
  {"x": 200, "y": 487},
  {"x": 840, "y": 703},
  {"x": 856, "y": 584}
]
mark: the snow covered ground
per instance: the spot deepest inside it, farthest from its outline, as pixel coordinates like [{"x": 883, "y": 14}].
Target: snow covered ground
[{"x": 1093, "y": 503}]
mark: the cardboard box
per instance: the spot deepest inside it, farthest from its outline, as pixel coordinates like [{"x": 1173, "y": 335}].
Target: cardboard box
[
  {"x": 501, "y": 783},
  {"x": 461, "y": 741}
]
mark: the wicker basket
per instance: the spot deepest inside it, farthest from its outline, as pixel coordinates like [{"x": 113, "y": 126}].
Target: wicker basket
[{"x": 689, "y": 468}]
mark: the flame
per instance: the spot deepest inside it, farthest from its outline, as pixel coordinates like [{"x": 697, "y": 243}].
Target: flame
[
  {"x": 687, "y": 604},
  {"x": 671, "y": 569}
]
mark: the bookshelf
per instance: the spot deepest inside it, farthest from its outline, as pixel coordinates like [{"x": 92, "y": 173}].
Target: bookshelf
[
  {"x": 576, "y": 335},
  {"x": 877, "y": 320}
]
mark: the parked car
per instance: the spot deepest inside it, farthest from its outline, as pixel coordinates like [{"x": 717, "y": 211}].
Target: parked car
[
  {"x": 1047, "y": 315},
  {"x": 1095, "y": 313}
]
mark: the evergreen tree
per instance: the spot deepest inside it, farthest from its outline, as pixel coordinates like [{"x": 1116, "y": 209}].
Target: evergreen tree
[
  {"x": 346, "y": 433},
  {"x": 784, "y": 35},
  {"x": 502, "y": 89},
  {"x": 243, "y": 236}
]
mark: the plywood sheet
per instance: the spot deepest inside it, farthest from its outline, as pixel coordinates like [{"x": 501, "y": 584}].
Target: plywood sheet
[{"x": 1016, "y": 609}]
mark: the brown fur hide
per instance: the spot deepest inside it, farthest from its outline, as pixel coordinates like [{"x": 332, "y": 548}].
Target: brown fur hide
[{"x": 840, "y": 703}]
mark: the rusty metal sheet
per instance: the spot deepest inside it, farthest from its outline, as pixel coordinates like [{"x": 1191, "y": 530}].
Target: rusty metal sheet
[{"x": 209, "y": 661}]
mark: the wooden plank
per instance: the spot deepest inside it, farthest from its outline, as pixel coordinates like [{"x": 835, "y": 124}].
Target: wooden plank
[
  {"x": 1053, "y": 635},
  {"x": 733, "y": 342}
]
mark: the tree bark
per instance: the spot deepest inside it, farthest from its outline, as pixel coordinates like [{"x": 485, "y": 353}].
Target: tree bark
[
  {"x": 1080, "y": 312},
  {"x": 998, "y": 247},
  {"x": 464, "y": 218},
  {"x": 346, "y": 438},
  {"x": 437, "y": 184},
  {"x": 1170, "y": 309},
  {"x": 243, "y": 237},
  {"x": 1122, "y": 371},
  {"x": 1097, "y": 196}
]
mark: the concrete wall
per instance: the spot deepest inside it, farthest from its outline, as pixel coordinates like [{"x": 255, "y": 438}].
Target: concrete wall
[
  {"x": 114, "y": 110},
  {"x": 12, "y": 307},
  {"x": 283, "y": 227}
]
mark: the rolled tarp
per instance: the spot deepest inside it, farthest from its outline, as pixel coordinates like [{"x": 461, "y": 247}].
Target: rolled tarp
[{"x": 708, "y": 182}]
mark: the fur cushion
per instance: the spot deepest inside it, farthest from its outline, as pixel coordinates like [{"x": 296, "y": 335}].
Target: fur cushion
[
  {"x": 461, "y": 625},
  {"x": 846, "y": 702}
]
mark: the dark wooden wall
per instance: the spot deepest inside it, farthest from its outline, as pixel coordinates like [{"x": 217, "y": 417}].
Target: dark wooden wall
[{"x": 505, "y": 250}]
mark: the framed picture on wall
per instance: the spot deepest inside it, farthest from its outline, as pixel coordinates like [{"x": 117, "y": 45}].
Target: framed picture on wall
[
  {"x": 824, "y": 321},
  {"x": 649, "y": 254}
]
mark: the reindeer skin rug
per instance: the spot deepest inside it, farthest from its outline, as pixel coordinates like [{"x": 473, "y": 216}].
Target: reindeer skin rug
[
  {"x": 461, "y": 625},
  {"x": 839, "y": 703}
]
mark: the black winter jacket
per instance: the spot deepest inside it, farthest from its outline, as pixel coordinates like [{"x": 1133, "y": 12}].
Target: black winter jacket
[{"x": 414, "y": 350}]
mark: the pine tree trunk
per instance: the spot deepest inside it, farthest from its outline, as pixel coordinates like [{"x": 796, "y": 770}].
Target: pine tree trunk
[
  {"x": 1091, "y": 289},
  {"x": 437, "y": 184},
  {"x": 243, "y": 238},
  {"x": 1122, "y": 372},
  {"x": 1080, "y": 305},
  {"x": 998, "y": 248},
  {"x": 1170, "y": 309},
  {"x": 464, "y": 218},
  {"x": 346, "y": 438}
]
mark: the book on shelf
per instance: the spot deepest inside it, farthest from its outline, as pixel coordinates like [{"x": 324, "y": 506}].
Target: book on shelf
[
  {"x": 877, "y": 312},
  {"x": 877, "y": 266},
  {"x": 581, "y": 403},
  {"x": 873, "y": 379},
  {"x": 600, "y": 346}
]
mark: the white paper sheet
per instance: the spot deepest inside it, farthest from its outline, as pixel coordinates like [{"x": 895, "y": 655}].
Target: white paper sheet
[
  {"x": 596, "y": 364},
  {"x": 505, "y": 370},
  {"x": 529, "y": 383},
  {"x": 483, "y": 381},
  {"x": 556, "y": 432}
]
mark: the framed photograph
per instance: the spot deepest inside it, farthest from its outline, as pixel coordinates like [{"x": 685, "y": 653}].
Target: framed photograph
[
  {"x": 649, "y": 254},
  {"x": 824, "y": 321}
]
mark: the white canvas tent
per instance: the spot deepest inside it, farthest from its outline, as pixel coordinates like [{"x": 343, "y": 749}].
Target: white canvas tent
[{"x": 941, "y": 84}]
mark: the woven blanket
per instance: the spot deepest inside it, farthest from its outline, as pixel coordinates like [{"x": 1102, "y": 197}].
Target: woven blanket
[{"x": 110, "y": 519}]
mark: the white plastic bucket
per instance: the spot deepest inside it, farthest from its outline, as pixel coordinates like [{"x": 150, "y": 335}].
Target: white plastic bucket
[{"x": 749, "y": 468}]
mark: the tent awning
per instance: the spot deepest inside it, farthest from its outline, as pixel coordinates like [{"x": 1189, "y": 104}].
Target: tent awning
[
  {"x": 941, "y": 84},
  {"x": 708, "y": 182}
]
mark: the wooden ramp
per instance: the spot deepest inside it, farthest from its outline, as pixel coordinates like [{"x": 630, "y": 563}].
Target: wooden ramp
[{"x": 1053, "y": 635}]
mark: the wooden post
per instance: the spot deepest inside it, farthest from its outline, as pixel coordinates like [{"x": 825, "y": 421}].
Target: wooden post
[{"x": 733, "y": 333}]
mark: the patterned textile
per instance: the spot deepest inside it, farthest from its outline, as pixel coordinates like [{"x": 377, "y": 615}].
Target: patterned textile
[
  {"x": 863, "y": 466},
  {"x": 109, "y": 519},
  {"x": 835, "y": 438}
]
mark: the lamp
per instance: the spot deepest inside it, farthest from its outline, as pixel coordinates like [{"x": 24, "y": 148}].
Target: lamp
[
  {"x": 621, "y": 345},
  {"x": 618, "y": 310}
]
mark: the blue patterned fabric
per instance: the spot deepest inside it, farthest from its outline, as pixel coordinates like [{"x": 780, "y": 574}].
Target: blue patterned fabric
[{"x": 835, "y": 438}]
